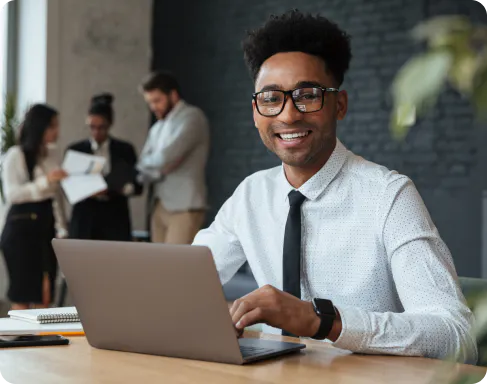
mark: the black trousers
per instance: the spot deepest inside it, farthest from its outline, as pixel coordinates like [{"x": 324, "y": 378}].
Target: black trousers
[
  {"x": 95, "y": 219},
  {"x": 26, "y": 245}
]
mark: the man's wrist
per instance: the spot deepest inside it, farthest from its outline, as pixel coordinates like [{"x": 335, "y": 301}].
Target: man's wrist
[
  {"x": 315, "y": 323},
  {"x": 336, "y": 329}
]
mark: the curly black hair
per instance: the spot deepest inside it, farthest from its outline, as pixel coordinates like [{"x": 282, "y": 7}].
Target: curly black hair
[{"x": 294, "y": 31}]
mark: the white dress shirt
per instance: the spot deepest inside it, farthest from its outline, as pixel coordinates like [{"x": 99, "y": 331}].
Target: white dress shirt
[
  {"x": 102, "y": 150},
  {"x": 18, "y": 189},
  {"x": 368, "y": 244},
  {"x": 184, "y": 133}
]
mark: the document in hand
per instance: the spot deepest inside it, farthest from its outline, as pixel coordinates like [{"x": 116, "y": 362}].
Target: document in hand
[{"x": 85, "y": 178}]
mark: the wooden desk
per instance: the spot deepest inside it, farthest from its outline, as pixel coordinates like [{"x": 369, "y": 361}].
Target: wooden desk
[{"x": 319, "y": 363}]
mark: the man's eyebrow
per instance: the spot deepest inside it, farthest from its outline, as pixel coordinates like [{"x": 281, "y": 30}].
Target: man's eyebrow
[
  {"x": 308, "y": 84},
  {"x": 301, "y": 84},
  {"x": 270, "y": 87}
]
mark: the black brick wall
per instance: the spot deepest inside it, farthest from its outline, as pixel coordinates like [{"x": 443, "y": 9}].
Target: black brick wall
[{"x": 200, "y": 42}]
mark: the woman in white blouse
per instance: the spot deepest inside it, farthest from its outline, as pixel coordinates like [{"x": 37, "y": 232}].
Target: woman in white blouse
[{"x": 30, "y": 178}]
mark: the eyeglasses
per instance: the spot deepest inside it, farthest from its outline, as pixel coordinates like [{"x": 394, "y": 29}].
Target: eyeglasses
[
  {"x": 306, "y": 100},
  {"x": 101, "y": 127}
]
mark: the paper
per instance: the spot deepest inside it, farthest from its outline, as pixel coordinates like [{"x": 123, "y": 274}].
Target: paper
[
  {"x": 47, "y": 315},
  {"x": 79, "y": 163},
  {"x": 9, "y": 327},
  {"x": 79, "y": 188},
  {"x": 85, "y": 178}
]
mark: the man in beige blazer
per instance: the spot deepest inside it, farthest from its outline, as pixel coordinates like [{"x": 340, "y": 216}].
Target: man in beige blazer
[{"x": 174, "y": 160}]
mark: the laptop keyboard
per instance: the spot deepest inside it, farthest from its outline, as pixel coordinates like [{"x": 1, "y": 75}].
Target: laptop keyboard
[{"x": 254, "y": 351}]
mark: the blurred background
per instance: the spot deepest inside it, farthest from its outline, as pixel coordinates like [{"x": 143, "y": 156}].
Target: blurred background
[{"x": 64, "y": 51}]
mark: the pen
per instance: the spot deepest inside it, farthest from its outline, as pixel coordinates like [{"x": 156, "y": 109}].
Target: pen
[{"x": 62, "y": 333}]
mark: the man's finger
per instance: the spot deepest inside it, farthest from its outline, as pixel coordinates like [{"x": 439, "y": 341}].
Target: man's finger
[
  {"x": 248, "y": 297},
  {"x": 234, "y": 307},
  {"x": 243, "y": 307},
  {"x": 252, "y": 317}
]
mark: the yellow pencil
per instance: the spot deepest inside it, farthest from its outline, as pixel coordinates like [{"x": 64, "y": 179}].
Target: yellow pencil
[{"x": 62, "y": 333}]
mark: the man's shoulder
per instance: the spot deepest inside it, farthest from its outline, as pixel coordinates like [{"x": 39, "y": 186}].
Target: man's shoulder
[
  {"x": 260, "y": 180},
  {"x": 192, "y": 111},
  {"x": 372, "y": 174},
  {"x": 270, "y": 173}
]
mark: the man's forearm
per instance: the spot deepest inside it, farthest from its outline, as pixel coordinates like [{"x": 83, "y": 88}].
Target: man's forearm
[
  {"x": 147, "y": 175},
  {"x": 434, "y": 334}
]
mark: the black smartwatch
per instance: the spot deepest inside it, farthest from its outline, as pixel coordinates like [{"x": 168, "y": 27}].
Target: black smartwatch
[{"x": 327, "y": 313}]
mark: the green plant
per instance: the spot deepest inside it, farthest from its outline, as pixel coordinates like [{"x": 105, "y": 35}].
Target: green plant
[
  {"x": 456, "y": 55},
  {"x": 8, "y": 129}
]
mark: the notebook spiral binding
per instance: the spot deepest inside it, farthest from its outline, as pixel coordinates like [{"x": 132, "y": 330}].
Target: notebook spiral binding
[{"x": 58, "y": 318}]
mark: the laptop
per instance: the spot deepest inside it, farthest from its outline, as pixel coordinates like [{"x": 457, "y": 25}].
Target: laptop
[{"x": 156, "y": 299}]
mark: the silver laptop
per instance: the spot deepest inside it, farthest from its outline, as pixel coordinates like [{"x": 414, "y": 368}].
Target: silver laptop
[{"x": 156, "y": 299}]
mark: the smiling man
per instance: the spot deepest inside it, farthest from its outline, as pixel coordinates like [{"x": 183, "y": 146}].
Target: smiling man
[{"x": 342, "y": 249}]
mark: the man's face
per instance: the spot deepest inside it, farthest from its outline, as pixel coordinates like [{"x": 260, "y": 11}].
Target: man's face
[
  {"x": 159, "y": 103},
  {"x": 291, "y": 70}
]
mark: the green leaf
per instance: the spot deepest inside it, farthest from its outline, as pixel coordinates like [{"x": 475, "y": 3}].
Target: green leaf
[
  {"x": 416, "y": 87},
  {"x": 480, "y": 312},
  {"x": 422, "y": 77},
  {"x": 463, "y": 71},
  {"x": 403, "y": 117},
  {"x": 439, "y": 30}
]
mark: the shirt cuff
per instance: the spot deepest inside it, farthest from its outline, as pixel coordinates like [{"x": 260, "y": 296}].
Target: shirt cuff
[
  {"x": 38, "y": 186},
  {"x": 149, "y": 176},
  {"x": 42, "y": 183},
  {"x": 355, "y": 329},
  {"x": 128, "y": 189},
  {"x": 61, "y": 233}
]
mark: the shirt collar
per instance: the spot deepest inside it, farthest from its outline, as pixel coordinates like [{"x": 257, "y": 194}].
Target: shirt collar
[
  {"x": 315, "y": 186},
  {"x": 95, "y": 146},
  {"x": 175, "y": 110}
]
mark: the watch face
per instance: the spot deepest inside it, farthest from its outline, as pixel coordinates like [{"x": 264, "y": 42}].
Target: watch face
[{"x": 324, "y": 307}]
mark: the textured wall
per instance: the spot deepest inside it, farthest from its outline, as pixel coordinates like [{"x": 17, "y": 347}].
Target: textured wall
[
  {"x": 443, "y": 155},
  {"x": 96, "y": 46}
]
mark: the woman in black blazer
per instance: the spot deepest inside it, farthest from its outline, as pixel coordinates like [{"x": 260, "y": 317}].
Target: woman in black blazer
[{"x": 106, "y": 216}]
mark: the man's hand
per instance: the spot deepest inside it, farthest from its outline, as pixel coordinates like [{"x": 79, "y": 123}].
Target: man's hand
[{"x": 275, "y": 308}]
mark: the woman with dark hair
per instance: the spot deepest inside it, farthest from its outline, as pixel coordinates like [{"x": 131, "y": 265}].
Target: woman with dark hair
[
  {"x": 106, "y": 216},
  {"x": 30, "y": 179}
]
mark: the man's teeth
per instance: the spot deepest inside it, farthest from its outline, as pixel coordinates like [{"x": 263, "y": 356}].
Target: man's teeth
[{"x": 292, "y": 136}]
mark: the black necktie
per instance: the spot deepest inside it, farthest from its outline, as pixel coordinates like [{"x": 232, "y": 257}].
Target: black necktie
[{"x": 291, "y": 259}]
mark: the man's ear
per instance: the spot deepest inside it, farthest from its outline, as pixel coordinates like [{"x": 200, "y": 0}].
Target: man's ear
[
  {"x": 342, "y": 104},
  {"x": 255, "y": 113},
  {"x": 174, "y": 96}
]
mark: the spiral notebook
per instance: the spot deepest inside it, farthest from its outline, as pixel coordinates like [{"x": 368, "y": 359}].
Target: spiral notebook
[{"x": 46, "y": 316}]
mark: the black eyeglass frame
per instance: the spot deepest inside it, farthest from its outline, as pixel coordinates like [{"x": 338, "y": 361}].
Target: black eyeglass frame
[{"x": 290, "y": 93}]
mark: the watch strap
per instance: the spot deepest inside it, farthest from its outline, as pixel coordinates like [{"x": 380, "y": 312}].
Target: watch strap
[{"x": 327, "y": 317}]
